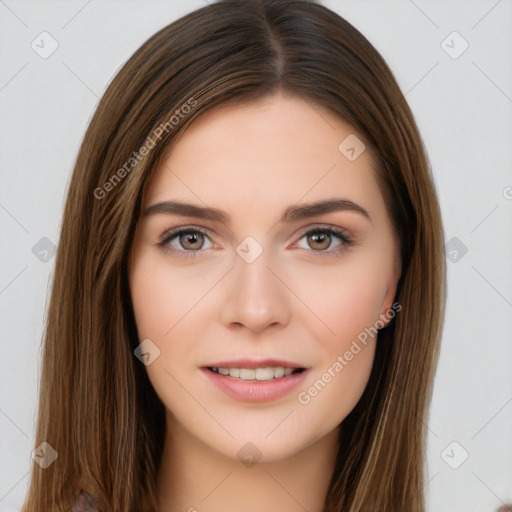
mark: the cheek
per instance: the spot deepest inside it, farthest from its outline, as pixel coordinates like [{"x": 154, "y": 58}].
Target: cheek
[
  {"x": 347, "y": 299},
  {"x": 163, "y": 296},
  {"x": 333, "y": 392},
  {"x": 164, "y": 302},
  {"x": 172, "y": 305},
  {"x": 349, "y": 304}
]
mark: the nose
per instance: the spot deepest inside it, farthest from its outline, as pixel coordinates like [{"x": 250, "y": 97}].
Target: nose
[{"x": 255, "y": 298}]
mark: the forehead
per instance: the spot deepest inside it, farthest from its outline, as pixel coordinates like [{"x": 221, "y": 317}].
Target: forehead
[{"x": 262, "y": 156}]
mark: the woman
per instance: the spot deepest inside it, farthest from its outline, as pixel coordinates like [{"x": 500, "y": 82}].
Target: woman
[{"x": 250, "y": 284}]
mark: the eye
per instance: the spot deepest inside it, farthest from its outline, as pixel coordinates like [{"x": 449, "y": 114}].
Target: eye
[
  {"x": 322, "y": 240},
  {"x": 186, "y": 240}
]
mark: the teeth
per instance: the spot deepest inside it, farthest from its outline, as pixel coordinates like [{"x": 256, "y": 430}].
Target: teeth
[
  {"x": 279, "y": 372},
  {"x": 264, "y": 373},
  {"x": 267, "y": 373},
  {"x": 247, "y": 373}
]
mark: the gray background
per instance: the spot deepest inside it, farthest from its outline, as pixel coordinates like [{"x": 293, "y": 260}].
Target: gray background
[{"x": 463, "y": 106}]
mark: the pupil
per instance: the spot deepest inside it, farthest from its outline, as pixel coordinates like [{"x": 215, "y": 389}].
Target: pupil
[
  {"x": 190, "y": 238},
  {"x": 322, "y": 235}
]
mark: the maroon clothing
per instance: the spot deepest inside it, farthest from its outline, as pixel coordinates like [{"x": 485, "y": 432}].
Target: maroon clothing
[{"x": 83, "y": 502}]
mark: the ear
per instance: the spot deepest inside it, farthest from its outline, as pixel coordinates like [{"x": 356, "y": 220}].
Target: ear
[{"x": 388, "y": 309}]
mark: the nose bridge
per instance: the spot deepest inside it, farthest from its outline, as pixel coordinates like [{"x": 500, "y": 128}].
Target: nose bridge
[{"x": 256, "y": 298}]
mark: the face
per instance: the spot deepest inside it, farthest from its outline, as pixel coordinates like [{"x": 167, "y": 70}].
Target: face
[{"x": 260, "y": 310}]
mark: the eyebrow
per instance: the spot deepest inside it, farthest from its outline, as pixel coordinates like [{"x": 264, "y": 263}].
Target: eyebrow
[{"x": 290, "y": 214}]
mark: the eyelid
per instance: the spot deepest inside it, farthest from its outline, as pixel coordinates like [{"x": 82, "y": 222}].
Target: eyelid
[
  {"x": 168, "y": 234},
  {"x": 347, "y": 240},
  {"x": 326, "y": 227}
]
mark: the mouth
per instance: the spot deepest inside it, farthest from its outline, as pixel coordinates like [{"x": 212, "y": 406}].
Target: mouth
[
  {"x": 264, "y": 373},
  {"x": 255, "y": 381}
]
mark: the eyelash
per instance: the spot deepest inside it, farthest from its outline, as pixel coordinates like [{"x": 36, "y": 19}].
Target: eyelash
[{"x": 169, "y": 235}]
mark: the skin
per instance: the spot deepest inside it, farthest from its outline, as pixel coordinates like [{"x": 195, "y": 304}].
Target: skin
[{"x": 253, "y": 161}]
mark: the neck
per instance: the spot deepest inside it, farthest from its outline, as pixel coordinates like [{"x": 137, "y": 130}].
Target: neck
[{"x": 193, "y": 477}]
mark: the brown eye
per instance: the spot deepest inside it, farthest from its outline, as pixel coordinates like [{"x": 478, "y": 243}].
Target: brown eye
[
  {"x": 185, "y": 241},
  {"x": 191, "y": 240},
  {"x": 325, "y": 241},
  {"x": 319, "y": 241}
]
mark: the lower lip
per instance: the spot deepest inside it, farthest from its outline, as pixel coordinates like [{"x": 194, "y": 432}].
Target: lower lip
[{"x": 255, "y": 391}]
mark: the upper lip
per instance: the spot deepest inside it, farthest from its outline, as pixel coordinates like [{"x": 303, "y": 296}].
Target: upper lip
[{"x": 254, "y": 363}]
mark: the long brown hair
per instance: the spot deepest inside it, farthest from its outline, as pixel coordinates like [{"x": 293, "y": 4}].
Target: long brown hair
[{"x": 97, "y": 408}]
